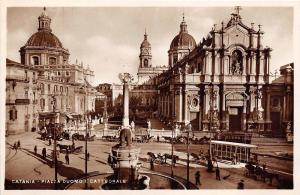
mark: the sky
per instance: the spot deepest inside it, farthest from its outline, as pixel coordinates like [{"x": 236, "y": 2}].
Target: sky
[{"x": 108, "y": 38}]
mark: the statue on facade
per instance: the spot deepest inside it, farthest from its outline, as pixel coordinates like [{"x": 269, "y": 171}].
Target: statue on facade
[{"x": 236, "y": 67}]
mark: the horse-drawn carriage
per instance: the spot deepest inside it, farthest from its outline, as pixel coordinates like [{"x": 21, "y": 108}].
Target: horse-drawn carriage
[
  {"x": 69, "y": 148},
  {"x": 157, "y": 158},
  {"x": 257, "y": 172},
  {"x": 110, "y": 138},
  {"x": 142, "y": 138},
  {"x": 199, "y": 158}
]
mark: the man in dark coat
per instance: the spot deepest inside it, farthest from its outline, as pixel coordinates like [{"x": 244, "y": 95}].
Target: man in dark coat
[
  {"x": 67, "y": 158},
  {"x": 44, "y": 152},
  {"x": 35, "y": 149},
  {"x": 218, "y": 174},
  {"x": 197, "y": 178},
  {"x": 241, "y": 185}
]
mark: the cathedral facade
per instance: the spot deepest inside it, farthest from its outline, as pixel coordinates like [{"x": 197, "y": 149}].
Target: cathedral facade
[
  {"x": 45, "y": 82},
  {"x": 220, "y": 84}
]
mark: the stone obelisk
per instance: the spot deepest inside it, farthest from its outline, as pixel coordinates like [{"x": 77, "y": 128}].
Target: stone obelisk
[{"x": 126, "y": 78}]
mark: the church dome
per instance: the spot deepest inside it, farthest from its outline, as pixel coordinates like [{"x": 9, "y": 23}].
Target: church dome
[
  {"x": 145, "y": 43},
  {"x": 44, "y": 39},
  {"x": 183, "y": 39}
]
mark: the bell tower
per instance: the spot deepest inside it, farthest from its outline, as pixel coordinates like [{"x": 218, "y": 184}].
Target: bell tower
[{"x": 145, "y": 53}]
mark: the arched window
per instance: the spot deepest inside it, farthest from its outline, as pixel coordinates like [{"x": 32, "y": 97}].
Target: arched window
[
  {"x": 52, "y": 60},
  {"x": 13, "y": 113},
  {"x": 145, "y": 63},
  {"x": 42, "y": 104},
  {"x": 61, "y": 89},
  {"x": 237, "y": 62},
  {"x": 35, "y": 60},
  {"x": 55, "y": 88},
  {"x": 42, "y": 86},
  {"x": 67, "y": 91}
]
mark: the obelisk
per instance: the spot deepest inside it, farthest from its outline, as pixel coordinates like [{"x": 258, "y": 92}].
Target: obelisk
[{"x": 126, "y": 78}]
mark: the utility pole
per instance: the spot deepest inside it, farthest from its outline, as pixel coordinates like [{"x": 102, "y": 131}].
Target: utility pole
[
  {"x": 54, "y": 138},
  {"x": 188, "y": 128},
  {"x": 86, "y": 129}
]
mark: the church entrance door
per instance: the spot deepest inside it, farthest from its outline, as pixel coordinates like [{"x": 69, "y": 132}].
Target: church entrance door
[
  {"x": 275, "y": 118},
  {"x": 235, "y": 118}
]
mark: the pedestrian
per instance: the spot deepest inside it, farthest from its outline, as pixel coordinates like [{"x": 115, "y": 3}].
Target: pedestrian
[
  {"x": 174, "y": 160},
  {"x": 19, "y": 144},
  {"x": 109, "y": 160},
  {"x": 234, "y": 159},
  {"x": 152, "y": 164},
  {"x": 35, "y": 149},
  {"x": 197, "y": 178},
  {"x": 67, "y": 158},
  {"x": 15, "y": 146},
  {"x": 44, "y": 152},
  {"x": 50, "y": 142},
  {"x": 157, "y": 138},
  {"x": 241, "y": 185},
  {"x": 264, "y": 166},
  {"x": 218, "y": 174},
  {"x": 88, "y": 156}
]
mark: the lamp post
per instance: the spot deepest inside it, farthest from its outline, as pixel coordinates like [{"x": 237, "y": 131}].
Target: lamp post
[
  {"x": 188, "y": 128},
  {"x": 54, "y": 139},
  {"x": 211, "y": 87},
  {"x": 86, "y": 129}
]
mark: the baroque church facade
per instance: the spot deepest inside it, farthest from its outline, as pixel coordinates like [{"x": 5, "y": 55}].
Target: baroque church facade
[
  {"x": 221, "y": 84},
  {"x": 45, "y": 82}
]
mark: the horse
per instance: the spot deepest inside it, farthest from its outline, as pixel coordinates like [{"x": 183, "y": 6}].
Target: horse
[
  {"x": 65, "y": 147},
  {"x": 250, "y": 169},
  {"x": 169, "y": 156},
  {"x": 268, "y": 175},
  {"x": 158, "y": 158}
]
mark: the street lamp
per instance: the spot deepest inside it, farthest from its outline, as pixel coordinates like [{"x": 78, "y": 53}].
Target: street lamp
[
  {"x": 188, "y": 128},
  {"x": 54, "y": 138},
  {"x": 211, "y": 88}
]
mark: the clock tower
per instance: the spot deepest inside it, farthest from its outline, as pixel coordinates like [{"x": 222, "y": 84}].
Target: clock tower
[{"x": 145, "y": 53}]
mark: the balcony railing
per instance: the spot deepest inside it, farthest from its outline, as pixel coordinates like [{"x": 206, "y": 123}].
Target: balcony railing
[{"x": 22, "y": 101}]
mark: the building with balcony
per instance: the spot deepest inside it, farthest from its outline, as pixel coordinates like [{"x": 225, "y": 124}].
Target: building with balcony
[{"x": 43, "y": 78}]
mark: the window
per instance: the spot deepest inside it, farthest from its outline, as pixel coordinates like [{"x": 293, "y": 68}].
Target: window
[
  {"x": 33, "y": 76},
  {"x": 26, "y": 94},
  {"x": 26, "y": 75},
  {"x": 42, "y": 86},
  {"x": 13, "y": 113},
  {"x": 42, "y": 104},
  {"x": 67, "y": 90},
  {"x": 49, "y": 88},
  {"x": 61, "y": 89},
  {"x": 175, "y": 59},
  {"x": 145, "y": 63},
  {"x": 35, "y": 60},
  {"x": 67, "y": 73},
  {"x": 52, "y": 60},
  {"x": 55, "y": 88}
]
